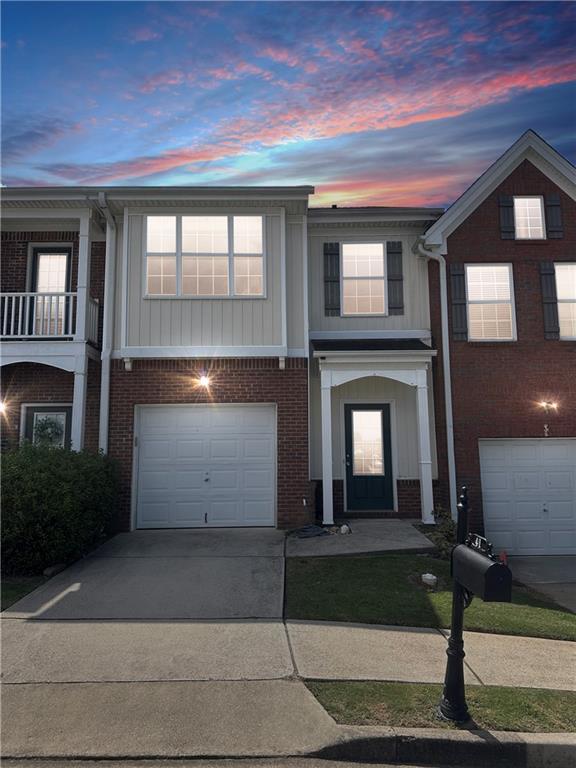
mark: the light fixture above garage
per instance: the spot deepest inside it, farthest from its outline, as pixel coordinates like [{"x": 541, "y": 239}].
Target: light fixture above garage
[
  {"x": 2, "y": 407},
  {"x": 548, "y": 405},
  {"x": 204, "y": 381}
]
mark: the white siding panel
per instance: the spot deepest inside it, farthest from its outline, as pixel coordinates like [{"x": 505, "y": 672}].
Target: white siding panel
[
  {"x": 198, "y": 322},
  {"x": 372, "y": 389},
  {"x": 416, "y": 300},
  {"x": 295, "y": 284}
]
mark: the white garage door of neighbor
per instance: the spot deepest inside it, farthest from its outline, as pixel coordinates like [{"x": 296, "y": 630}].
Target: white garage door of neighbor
[
  {"x": 206, "y": 465},
  {"x": 529, "y": 495}
]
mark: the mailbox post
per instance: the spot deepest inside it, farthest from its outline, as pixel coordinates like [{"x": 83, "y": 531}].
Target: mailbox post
[
  {"x": 453, "y": 702},
  {"x": 475, "y": 571}
]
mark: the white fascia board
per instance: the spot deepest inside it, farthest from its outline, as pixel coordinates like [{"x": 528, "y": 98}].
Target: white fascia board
[
  {"x": 343, "y": 335},
  {"x": 491, "y": 178},
  {"x": 375, "y": 356},
  {"x": 199, "y": 352}
]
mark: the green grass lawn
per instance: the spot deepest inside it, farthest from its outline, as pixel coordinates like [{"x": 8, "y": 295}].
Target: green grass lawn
[
  {"x": 15, "y": 587},
  {"x": 387, "y": 590},
  {"x": 413, "y": 705}
]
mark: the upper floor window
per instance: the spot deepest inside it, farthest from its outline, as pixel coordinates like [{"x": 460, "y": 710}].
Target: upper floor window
[
  {"x": 566, "y": 296},
  {"x": 205, "y": 256},
  {"x": 489, "y": 297},
  {"x": 529, "y": 218},
  {"x": 363, "y": 279}
]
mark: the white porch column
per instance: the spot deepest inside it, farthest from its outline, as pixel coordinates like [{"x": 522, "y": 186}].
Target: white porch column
[
  {"x": 82, "y": 292},
  {"x": 328, "y": 507},
  {"x": 425, "y": 455},
  {"x": 79, "y": 403}
]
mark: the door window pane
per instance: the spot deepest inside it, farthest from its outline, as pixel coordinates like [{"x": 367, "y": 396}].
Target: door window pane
[
  {"x": 51, "y": 272},
  {"x": 367, "y": 447}
]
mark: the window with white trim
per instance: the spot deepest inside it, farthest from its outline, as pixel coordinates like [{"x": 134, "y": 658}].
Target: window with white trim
[
  {"x": 363, "y": 279},
  {"x": 529, "y": 218},
  {"x": 205, "y": 256},
  {"x": 566, "y": 297},
  {"x": 490, "y": 302}
]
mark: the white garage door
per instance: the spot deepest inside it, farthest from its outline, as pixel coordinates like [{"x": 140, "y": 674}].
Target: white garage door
[
  {"x": 529, "y": 495},
  {"x": 206, "y": 465}
]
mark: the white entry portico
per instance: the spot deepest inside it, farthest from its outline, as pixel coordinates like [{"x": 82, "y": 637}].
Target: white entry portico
[{"x": 408, "y": 367}]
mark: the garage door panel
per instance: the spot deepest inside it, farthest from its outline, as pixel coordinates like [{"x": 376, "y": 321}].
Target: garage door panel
[
  {"x": 258, "y": 448},
  {"x": 184, "y": 478},
  {"x": 189, "y": 449},
  {"x": 206, "y": 466},
  {"x": 187, "y": 511},
  {"x": 226, "y": 448},
  {"x": 529, "y": 498}
]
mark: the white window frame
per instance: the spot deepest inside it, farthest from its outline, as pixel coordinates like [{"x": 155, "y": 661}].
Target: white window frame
[
  {"x": 229, "y": 255},
  {"x": 383, "y": 243},
  {"x": 542, "y": 211},
  {"x": 564, "y": 301},
  {"x": 511, "y": 301}
]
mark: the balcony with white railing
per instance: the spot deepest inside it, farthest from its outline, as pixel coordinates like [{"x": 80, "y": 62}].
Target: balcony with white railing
[{"x": 45, "y": 316}]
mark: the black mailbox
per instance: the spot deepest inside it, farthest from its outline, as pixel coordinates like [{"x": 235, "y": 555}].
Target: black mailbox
[{"x": 484, "y": 577}]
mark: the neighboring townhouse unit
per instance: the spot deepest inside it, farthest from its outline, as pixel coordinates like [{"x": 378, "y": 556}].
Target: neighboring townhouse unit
[
  {"x": 510, "y": 247},
  {"x": 251, "y": 361}
]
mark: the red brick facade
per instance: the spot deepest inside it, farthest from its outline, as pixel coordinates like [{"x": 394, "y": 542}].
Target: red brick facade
[
  {"x": 35, "y": 383},
  {"x": 496, "y": 386},
  {"x": 246, "y": 380}
]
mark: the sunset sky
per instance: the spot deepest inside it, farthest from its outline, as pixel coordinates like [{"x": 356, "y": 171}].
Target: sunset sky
[{"x": 401, "y": 103}]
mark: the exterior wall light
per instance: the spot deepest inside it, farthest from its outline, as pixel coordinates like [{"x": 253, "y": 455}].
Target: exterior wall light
[
  {"x": 2, "y": 407},
  {"x": 204, "y": 381},
  {"x": 548, "y": 405}
]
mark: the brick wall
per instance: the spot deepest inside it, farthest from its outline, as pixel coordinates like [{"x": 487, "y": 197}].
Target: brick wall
[
  {"x": 13, "y": 275},
  {"x": 496, "y": 387},
  {"x": 407, "y": 491},
  {"x": 232, "y": 381},
  {"x": 35, "y": 383}
]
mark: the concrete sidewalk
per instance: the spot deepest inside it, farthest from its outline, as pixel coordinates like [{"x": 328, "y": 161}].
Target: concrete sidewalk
[{"x": 131, "y": 651}]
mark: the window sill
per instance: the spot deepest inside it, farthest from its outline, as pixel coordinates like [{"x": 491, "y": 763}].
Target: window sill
[{"x": 160, "y": 297}]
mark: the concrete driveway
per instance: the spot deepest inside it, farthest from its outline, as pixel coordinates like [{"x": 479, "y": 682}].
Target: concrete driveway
[
  {"x": 554, "y": 576},
  {"x": 168, "y": 575}
]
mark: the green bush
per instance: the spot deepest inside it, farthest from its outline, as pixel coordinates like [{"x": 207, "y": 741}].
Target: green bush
[
  {"x": 444, "y": 534},
  {"x": 56, "y": 505}
]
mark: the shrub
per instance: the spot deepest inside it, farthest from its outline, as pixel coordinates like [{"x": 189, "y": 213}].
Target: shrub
[
  {"x": 56, "y": 505},
  {"x": 444, "y": 534}
]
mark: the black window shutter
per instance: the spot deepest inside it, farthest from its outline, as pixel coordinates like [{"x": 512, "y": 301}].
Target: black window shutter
[
  {"x": 554, "y": 228},
  {"x": 395, "y": 278},
  {"x": 332, "y": 279},
  {"x": 549, "y": 300},
  {"x": 458, "y": 296},
  {"x": 507, "y": 228}
]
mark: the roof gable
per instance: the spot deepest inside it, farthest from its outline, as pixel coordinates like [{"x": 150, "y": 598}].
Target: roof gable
[{"x": 530, "y": 147}]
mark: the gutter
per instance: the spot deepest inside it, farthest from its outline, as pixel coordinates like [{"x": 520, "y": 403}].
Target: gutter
[
  {"x": 446, "y": 370},
  {"x": 108, "y": 322}
]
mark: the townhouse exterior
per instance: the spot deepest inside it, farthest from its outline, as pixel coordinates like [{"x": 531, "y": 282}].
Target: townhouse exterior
[{"x": 252, "y": 361}]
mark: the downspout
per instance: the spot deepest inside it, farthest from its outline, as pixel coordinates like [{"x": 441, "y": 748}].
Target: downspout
[
  {"x": 108, "y": 324},
  {"x": 447, "y": 379}
]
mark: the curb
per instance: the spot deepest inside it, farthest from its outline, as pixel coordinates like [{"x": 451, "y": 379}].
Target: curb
[{"x": 428, "y": 746}]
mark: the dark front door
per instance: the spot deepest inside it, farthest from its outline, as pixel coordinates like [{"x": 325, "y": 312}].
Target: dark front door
[{"x": 368, "y": 457}]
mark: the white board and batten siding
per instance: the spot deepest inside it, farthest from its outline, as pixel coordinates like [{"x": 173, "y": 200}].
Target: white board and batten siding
[
  {"x": 415, "y": 274},
  {"x": 214, "y": 322},
  {"x": 529, "y": 495},
  {"x": 204, "y": 466}
]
